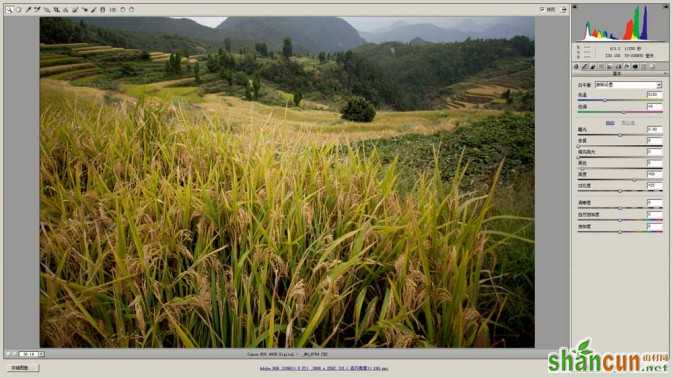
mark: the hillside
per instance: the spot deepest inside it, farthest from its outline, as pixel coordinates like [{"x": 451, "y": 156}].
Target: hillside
[
  {"x": 155, "y": 25},
  {"x": 495, "y": 28},
  {"x": 118, "y": 32},
  {"x": 421, "y": 76},
  {"x": 491, "y": 74},
  {"x": 314, "y": 34}
]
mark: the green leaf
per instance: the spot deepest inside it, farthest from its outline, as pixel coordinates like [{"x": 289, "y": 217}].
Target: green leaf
[{"x": 584, "y": 344}]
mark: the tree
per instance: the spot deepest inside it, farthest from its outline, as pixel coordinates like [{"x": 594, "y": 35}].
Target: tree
[
  {"x": 226, "y": 60},
  {"x": 249, "y": 63},
  {"x": 358, "y": 109},
  {"x": 297, "y": 96},
  {"x": 256, "y": 86},
  {"x": 240, "y": 78},
  {"x": 197, "y": 69},
  {"x": 507, "y": 95},
  {"x": 249, "y": 91},
  {"x": 212, "y": 63},
  {"x": 227, "y": 44},
  {"x": 523, "y": 45},
  {"x": 173, "y": 64},
  {"x": 287, "y": 47},
  {"x": 225, "y": 74},
  {"x": 322, "y": 57},
  {"x": 261, "y": 49},
  {"x": 145, "y": 55}
]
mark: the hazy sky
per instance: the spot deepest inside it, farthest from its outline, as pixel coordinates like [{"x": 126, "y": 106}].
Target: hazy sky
[{"x": 373, "y": 23}]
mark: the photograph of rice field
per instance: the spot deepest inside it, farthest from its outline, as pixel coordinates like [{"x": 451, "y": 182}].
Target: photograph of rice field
[{"x": 287, "y": 182}]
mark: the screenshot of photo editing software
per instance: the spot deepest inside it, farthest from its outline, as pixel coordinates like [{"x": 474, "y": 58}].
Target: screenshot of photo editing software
[{"x": 330, "y": 189}]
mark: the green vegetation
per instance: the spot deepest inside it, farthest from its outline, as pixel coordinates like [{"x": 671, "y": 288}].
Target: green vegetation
[
  {"x": 296, "y": 98},
  {"x": 358, "y": 109},
  {"x": 287, "y": 48},
  {"x": 482, "y": 145},
  {"x": 57, "y": 30}
]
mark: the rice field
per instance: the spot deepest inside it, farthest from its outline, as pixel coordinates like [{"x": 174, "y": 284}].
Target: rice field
[
  {"x": 99, "y": 51},
  {"x": 74, "y": 75},
  {"x": 46, "y": 71},
  {"x": 91, "y": 47},
  {"x": 44, "y": 46},
  {"x": 85, "y": 50},
  {"x": 183, "y": 225},
  {"x": 57, "y": 61}
]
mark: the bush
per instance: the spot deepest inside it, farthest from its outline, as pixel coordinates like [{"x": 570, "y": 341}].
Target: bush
[
  {"x": 358, "y": 109},
  {"x": 297, "y": 97},
  {"x": 240, "y": 78}
]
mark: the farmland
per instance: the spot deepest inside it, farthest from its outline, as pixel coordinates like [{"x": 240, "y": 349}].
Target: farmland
[{"x": 182, "y": 207}]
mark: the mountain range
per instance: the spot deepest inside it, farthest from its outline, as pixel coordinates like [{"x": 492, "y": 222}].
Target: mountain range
[
  {"x": 315, "y": 34},
  {"x": 499, "y": 27}
]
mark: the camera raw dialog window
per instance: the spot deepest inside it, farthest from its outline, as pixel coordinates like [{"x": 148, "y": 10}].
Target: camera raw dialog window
[{"x": 381, "y": 189}]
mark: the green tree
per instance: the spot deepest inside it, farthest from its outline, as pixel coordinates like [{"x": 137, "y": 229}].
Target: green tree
[
  {"x": 507, "y": 95},
  {"x": 173, "y": 65},
  {"x": 212, "y": 63},
  {"x": 240, "y": 78},
  {"x": 197, "y": 69},
  {"x": 358, "y": 109},
  {"x": 261, "y": 49},
  {"x": 322, "y": 57},
  {"x": 249, "y": 91},
  {"x": 287, "y": 47},
  {"x": 227, "y": 44},
  {"x": 226, "y": 74},
  {"x": 249, "y": 63},
  {"x": 297, "y": 96},
  {"x": 256, "y": 86}
]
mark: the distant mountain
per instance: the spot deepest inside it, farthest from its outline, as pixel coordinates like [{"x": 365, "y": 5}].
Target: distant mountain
[
  {"x": 427, "y": 32},
  {"x": 314, "y": 34},
  {"x": 418, "y": 42},
  {"x": 69, "y": 30},
  {"x": 156, "y": 25},
  {"x": 468, "y": 28}
]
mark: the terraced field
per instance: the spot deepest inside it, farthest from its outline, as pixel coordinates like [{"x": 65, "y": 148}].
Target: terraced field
[{"x": 73, "y": 61}]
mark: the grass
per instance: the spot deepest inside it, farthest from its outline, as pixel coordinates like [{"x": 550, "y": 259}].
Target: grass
[
  {"x": 485, "y": 143},
  {"x": 185, "y": 94},
  {"x": 162, "y": 227}
]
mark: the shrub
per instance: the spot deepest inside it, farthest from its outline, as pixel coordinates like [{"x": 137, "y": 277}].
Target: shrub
[
  {"x": 256, "y": 86},
  {"x": 297, "y": 96},
  {"x": 226, "y": 74},
  {"x": 358, "y": 109},
  {"x": 240, "y": 78}
]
